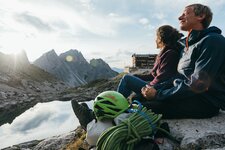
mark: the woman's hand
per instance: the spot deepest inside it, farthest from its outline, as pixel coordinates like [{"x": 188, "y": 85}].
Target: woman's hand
[{"x": 148, "y": 92}]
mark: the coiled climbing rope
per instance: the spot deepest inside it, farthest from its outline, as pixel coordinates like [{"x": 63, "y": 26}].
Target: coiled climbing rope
[{"x": 124, "y": 136}]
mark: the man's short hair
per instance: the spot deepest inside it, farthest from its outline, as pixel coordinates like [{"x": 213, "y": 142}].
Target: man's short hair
[{"x": 199, "y": 10}]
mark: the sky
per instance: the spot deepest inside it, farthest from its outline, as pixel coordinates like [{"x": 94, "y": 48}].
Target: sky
[{"x": 109, "y": 29}]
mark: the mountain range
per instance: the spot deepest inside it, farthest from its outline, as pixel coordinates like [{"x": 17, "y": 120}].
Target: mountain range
[
  {"x": 22, "y": 84},
  {"x": 72, "y": 68}
]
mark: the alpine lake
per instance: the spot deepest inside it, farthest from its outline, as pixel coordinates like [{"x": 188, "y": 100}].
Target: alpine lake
[{"x": 39, "y": 122}]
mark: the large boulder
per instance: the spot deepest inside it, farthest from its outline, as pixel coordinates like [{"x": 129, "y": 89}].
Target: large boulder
[{"x": 197, "y": 133}]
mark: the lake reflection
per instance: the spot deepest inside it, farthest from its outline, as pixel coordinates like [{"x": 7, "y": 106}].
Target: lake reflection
[{"x": 39, "y": 122}]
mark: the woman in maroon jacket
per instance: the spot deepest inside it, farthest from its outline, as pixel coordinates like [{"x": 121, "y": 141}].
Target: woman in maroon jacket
[{"x": 165, "y": 67}]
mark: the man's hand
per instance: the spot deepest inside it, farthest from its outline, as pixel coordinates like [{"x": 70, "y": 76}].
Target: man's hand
[{"x": 148, "y": 92}]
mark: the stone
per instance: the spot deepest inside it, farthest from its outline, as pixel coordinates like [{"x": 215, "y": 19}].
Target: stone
[
  {"x": 56, "y": 142},
  {"x": 198, "y": 133}
]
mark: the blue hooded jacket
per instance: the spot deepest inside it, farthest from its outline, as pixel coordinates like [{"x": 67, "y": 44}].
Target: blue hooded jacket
[{"x": 201, "y": 68}]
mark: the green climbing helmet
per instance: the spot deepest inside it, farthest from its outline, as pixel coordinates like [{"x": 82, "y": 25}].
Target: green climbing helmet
[{"x": 109, "y": 104}]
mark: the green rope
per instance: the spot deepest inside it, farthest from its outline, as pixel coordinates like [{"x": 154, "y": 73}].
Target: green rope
[{"x": 125, "y": 135}]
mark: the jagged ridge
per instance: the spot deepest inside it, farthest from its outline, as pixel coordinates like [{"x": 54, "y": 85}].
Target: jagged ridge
[{"x": 72, "y": 68}]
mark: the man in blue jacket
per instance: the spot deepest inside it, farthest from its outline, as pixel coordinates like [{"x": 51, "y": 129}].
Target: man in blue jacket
[{"x": 199, "y": 91}]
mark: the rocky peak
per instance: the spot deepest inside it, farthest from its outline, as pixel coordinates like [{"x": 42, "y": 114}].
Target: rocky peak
[
  {"x": 58, "y": 67},
  {"x": 51, "y": 53},
  {"x": 102, "y": 68},
  {"x": 98, "y": 63},
  {"x": 48, "y": 61},
  {"x": 49, "y": 56},
  {"x": 21, "y": 58},
  {"x": 14, "y": 62},
  {"x": 72, "y": 55}
]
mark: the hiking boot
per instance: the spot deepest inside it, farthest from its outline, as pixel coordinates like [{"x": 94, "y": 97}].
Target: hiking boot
[{"x": 83, "y": 113}]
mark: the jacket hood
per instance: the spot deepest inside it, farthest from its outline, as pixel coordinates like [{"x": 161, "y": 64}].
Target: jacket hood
[{"x": 196, "y": 35}]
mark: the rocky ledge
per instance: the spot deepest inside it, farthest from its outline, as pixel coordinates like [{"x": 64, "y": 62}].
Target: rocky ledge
[
  {"x": 197, "y": 134},
  {"x": 194, "y": 134}
]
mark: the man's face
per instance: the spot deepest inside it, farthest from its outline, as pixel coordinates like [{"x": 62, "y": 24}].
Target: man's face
[{"x": 188, "y": 19}]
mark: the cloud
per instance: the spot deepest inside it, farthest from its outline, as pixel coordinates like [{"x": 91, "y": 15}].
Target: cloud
[
  {"x": 31, "y": 122},
  {"x": 60, "y": 24},
  {"x": 144, "y": 21},
  {"x": 81, "y": 16},
  {"x": 80, "y": 5},
  {"x": 96, "y": 53},
  {"x": 33, "y": 21},
  {"x": 120, "y": 54},
  {"x": 37, "y": 116},
  {"x": 159, "y": 16},
  {"x": 147, "y": 25},
  {"x": 124, "y": 52}
]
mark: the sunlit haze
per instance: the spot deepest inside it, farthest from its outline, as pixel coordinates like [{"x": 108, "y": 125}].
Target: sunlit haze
[{"x": 111, "y": 30}]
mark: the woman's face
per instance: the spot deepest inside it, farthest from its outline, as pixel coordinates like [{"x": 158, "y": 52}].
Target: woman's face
[{"x": 158, "y": 42}]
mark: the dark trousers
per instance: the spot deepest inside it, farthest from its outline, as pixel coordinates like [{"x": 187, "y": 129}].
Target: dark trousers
[
  {"x": 129, "y": 84},
  {"x": 192, "y": 107}
]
